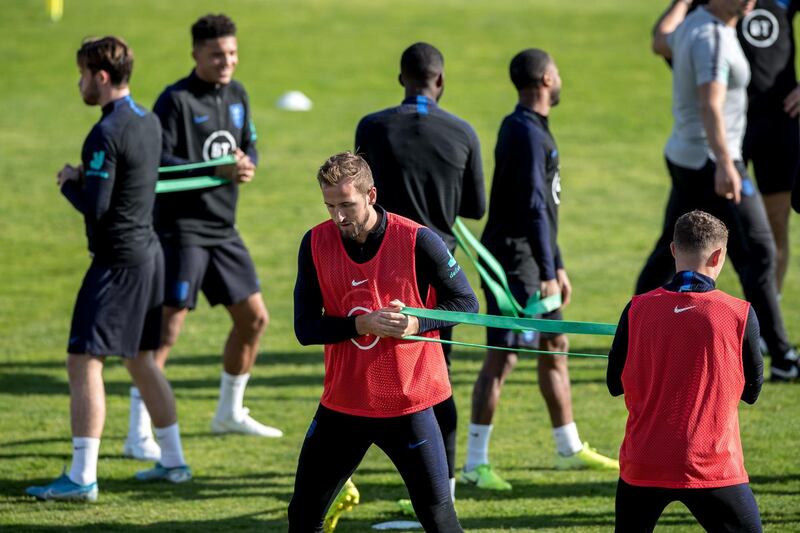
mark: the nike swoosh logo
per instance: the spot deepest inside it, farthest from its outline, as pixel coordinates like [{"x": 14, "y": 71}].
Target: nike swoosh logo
[
  {"x": 357, "y": 283},
  {"x": 682, "y": 309},
  {"x": 474, "y": 435},
  {"x": 200, "y": 119},
  {"x": 412, "y": 445}
]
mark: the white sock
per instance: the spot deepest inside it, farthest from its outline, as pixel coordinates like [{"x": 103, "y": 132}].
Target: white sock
[
  {"x": 453, "y": 489},
  {"x": 567, "y": 440},
  {"x": 169, "y": 438},
  {"x": 139, "y": 419},
  {"x": 478, "y": 445},
  {"x": 231, "y": 396},
  {"x": 85, "y": 451}
]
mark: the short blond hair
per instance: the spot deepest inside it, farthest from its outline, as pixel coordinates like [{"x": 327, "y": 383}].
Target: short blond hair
[{"x": 344, "y": 167}]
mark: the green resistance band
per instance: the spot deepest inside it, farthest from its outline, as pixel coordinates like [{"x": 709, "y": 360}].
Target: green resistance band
[
  {"x": 517, "y": 323},
  {"x": 195, "y": 182},
  {"x": 497, "y": 282},
  {"x": 503, "y": 348},
  {"x": 226, "y": 160}
]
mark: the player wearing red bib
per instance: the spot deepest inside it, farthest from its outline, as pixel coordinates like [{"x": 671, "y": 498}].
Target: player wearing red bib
[
  {"x": 684, "y": 355},
  {"x": 355, "y": 274}
]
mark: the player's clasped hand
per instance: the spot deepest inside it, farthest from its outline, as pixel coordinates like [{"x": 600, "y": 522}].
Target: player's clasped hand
[
  {"x": 69, "y": 173},
  {"x": 242, "y": 171},
  {"x": 388, "y": 322}
]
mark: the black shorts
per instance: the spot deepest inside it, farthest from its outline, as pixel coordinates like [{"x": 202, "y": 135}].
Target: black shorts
[
  {"x": 508, "y": 338},
  {"x": 118, "y": 310},
  {"x": 731, "y": 508},
  {"x": 772, "y": 143},
  {"x": 225, "y": 272}
]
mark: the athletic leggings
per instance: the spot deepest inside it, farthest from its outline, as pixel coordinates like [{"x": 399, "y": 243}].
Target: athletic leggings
[
  {"x": 751, "y": 246},
  {"x": 723, "y": 509},
  {"x": 336, "y": 443}
]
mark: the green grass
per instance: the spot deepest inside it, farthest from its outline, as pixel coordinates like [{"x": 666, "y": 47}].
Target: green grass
[{"x": 611, "y": 128}]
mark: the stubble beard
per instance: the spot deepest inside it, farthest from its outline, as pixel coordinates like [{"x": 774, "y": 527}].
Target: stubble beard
[{"x": 354, "y": 231}]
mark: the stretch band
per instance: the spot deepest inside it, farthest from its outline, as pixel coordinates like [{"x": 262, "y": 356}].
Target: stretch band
[
  {"x": 504, "y": 348},
  {"x": 508, "y": 322},
  {"x": 496, "y": 281},
  {"x": 188, "y": 184},
  {"x": 226, "y": 160},
  {"x": 195, "y": 182}
]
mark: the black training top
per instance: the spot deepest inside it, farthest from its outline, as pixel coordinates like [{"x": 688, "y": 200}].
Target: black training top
[
  {"x": 434, "y": 267},
  {"x": 767, "y": 38},
  {"x": 752, "y": 362},
  {"x": 202, "y": 121},
  {"x": 118, "y": 187},
  {"x": 426, "y": 164},
  {"x": 526, "y": 193}
]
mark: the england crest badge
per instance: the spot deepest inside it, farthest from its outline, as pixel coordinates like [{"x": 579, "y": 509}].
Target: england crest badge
[{"x": 237, "y": 115}]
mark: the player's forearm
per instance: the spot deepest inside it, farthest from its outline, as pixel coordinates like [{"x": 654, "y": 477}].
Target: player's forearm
[
  {"x": 666, "y": 24},
  {"x": 539, "y": 240},
  {"x": 311, "y": 330},
  {"x": 435, "y": 266},
  {"x": 712, "y": 96},
  {"x": 618, "y": 355},
  {"x": 752, "y": 361},
  {"x": 473, "y": 200},
  {"x": 459, "y": 298},
  {"x": 73, "y": 193},
  {"x": 252, "y": 153}
]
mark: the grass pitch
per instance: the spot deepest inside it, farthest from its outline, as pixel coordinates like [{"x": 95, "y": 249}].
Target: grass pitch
[{"x": 611, "y": 126}]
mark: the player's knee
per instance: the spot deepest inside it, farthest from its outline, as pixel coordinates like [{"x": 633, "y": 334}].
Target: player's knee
[
  {"x": 81, "y": 365},
  {"x": 169, "y": 333},
  {"x": 254, "y": 324},
  {"x": 559, "y": 344},
  {"x": 485, "y": 385},
  {"x": 261, "y": 321}
]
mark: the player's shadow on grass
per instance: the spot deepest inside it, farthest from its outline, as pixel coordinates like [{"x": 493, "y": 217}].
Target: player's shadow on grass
[
  {"x": 245, "y": 522},
  {"x": 266, "y": 358},
  {"x": 25, "y": 383},
  {"x": 274, "y": 485},
  {"x": 544, "y": 490},
  {"x": 775, "y": 485}
]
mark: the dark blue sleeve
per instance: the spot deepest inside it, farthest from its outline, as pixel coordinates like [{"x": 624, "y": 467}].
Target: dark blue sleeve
[
  {"x": 169, "y": 115},
  {"x": 559, "y": 263},
  {"x": 473, "y": 196},
  {"x": 249, "y": 135},
  {"x": 532, "y": 183},
  {"x": 752, "y": 361},
  {"x": 311, "y": 325},
  {"x": 99, "y": 171},
  {"x": 362, "y": 139},
  {"x": 618, "y": 355},
  {"x": 73, "y": 192},
  {"x": 437, "y": 268}
]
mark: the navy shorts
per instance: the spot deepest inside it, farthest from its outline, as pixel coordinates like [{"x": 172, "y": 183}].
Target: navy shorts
[
  {"x": 225, "y": 273},
  {"x": 118, "y": 309},
  {"x": 508, "y": 338},
  {"x": 772, "y": 142}
]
